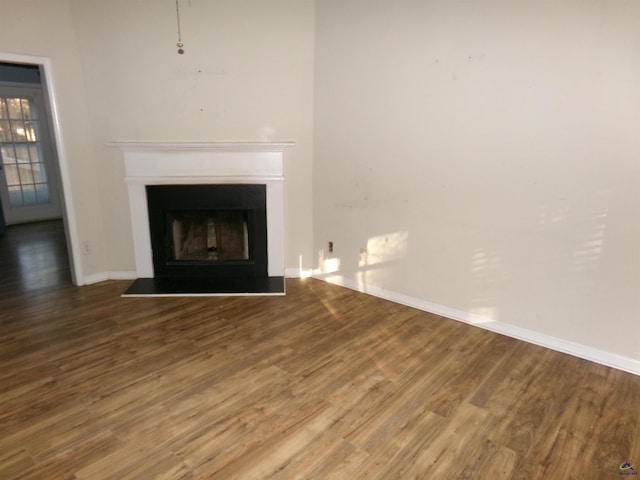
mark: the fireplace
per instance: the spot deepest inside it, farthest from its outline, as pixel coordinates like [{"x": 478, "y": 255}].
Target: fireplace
[
  {"x": 218, "y": 211},
  {"x": 208, "y": 231}
]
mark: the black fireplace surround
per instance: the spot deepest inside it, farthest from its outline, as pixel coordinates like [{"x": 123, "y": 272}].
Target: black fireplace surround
[
  {"x": 208, "y": 239},
  {"x": 168, "y": 202}
]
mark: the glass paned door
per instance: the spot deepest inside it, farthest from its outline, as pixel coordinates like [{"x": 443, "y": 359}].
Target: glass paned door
[{"x": 26, "y": 189}]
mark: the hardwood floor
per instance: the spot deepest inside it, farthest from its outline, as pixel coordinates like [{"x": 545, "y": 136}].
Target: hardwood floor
[
  {"x": 324, "y": 383},
  {"x": 33, "y": 256}
]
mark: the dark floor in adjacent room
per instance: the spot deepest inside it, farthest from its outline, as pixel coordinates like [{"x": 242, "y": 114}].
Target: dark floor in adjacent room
[{"x": 33, "y": 256}]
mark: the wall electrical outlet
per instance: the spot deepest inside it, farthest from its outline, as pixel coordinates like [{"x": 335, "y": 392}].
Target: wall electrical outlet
[{"x": 87, "y": 248}]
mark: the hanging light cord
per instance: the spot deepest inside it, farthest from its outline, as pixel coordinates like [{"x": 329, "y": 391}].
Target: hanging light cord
[{"x": 179, "y": 44}]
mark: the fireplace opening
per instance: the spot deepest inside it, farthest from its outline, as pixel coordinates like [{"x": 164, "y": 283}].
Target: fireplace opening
[
  {"x": 208, "y": 231},
  {"x": 216, "y": 235}
]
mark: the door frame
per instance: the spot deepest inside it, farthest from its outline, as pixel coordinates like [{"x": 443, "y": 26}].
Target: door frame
[{"x": 69, "y": 216}]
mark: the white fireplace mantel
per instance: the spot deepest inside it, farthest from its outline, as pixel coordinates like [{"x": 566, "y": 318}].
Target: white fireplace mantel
[{"x": 161, "y": 163}]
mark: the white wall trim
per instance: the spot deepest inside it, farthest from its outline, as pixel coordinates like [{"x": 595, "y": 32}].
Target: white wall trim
[
  {"x": 104, "y": 276},
  {"x": 602, "y": 357},
  {"x": 297, "y": 272}
]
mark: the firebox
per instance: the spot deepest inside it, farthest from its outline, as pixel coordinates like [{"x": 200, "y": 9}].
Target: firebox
[{"x": 208, "y": 231}]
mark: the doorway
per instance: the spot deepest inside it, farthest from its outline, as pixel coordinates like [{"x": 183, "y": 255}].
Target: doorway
[{"x": 33, "y": 74}]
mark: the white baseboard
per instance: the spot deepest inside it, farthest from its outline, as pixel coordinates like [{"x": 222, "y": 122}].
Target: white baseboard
[
  {"x": 577, "y": 350},
  {"x": 298, "y": 273},
  {"x": 104, "y": 276}
]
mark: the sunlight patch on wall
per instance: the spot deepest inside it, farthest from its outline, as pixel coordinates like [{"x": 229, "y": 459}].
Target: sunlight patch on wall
[
  {"x": 327, "y": 265},
  {"x": 304, "y": 273},
  {"x": 331, "y": 265},
  {"x": 590, "y": 248},
  {"x": 487, "y": 264},
  {"x": 385, "y": 248},
  {"x": 550, "y": 217}
]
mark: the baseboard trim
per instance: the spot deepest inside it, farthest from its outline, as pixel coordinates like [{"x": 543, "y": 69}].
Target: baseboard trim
[
  {"x": 104, "y": 276},
  {"x": 585, "y": 352},
  {"x": 298, "y": 273}
]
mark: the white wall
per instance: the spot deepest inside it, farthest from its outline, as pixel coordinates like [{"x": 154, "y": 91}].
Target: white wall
[
  {"x": 246, "y": 75},
  {"x": 486, "y": 155}
]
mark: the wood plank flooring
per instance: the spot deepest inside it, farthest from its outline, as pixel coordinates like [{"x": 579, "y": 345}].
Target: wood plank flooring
[
  {"x": 33, "y": 256},
  {"x": 324, "y": 383}
]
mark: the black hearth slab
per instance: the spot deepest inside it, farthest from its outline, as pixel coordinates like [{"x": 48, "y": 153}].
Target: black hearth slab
[{"x": 232, "y": 286}]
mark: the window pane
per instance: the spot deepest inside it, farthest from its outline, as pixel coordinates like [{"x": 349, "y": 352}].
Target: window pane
[
  {"x": 39, "y": 173},
  {"x": 8, "y": 155},
  {"x": 5, "y": 131},
  {"x": 29, "y": 195},
  {"x": 27, "y": 111},
  {"x": 15, "y": 196},
  {"x": 3, "y": 108},
  {"x": 22, "y": 153},
  {"x": 15, "y": 108},
  {"x": 26, "y": 173},
  {"x": 31, "y": 127},
  {"x": 18, "y": 131},
  {"x": 11, "y": 174},
  {"x": 34, "y": 152}
]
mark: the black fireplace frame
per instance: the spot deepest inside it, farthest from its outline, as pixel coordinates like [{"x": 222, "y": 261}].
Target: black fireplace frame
[{"x": 162, "y": 200}]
